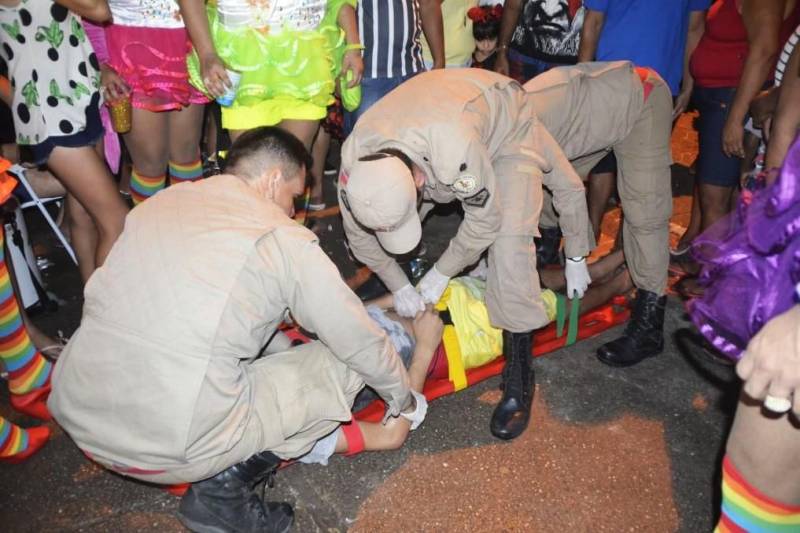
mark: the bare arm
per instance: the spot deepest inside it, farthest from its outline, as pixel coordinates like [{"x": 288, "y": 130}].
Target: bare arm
[
  {"x": 762, "y": 19},
  {"x": 787, "y": 113},
  {"x": 211, "y": 68},
  {"x": 697, "y": 25},
  {"x": 96, "y": 10},
  {"x": 508, "y": 23},
  {"x": 194, "y": 17},
  {"x": 430, "y": 12},
  {"x": 590, "y": 35},
  {"x": 352, "y": 60}
]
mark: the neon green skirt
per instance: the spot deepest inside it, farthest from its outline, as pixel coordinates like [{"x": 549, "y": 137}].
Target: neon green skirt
[{"x": 285, "y": 74}]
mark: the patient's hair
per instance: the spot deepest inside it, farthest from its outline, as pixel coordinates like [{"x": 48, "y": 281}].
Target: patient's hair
[{"x": 261, "y": 148}]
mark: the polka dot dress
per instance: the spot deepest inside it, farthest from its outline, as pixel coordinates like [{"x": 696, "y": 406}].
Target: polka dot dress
[{"x": 53, "y": 71}]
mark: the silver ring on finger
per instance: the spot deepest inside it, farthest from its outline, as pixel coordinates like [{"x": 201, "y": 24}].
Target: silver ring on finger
[{"x": 777, "y": 405}]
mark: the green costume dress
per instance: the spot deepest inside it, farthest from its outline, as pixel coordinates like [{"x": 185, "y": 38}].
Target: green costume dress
[{"x": 288, "y": 52}]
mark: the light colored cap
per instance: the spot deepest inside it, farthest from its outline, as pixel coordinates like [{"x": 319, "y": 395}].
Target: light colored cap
[{"x": 381, "y": 195}]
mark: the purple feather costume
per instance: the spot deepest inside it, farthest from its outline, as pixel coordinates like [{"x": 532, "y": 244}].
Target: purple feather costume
[{"x": 750, "y": 263}]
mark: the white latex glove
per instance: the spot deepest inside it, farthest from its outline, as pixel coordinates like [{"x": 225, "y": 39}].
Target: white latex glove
[
  {"x": 408, "y": 302},
  {"x": 419, "y": 413},
  {"x": 432, "y": 285},
  {"x": 577, "y": 274}
]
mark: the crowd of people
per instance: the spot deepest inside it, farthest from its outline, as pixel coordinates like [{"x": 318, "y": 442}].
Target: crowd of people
[{"x": 528, "y": 115}]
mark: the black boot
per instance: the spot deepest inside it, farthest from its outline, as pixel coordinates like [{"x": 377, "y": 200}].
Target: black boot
[
  {"x": 644, "y": 334},
  {"x": 227, "y": 502},
  {"x": 510, "y": 417},
  {"x": 548, "y": 247}
]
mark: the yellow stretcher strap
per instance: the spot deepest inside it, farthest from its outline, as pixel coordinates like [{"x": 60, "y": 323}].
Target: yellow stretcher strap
[{"x": 455, "y": 364}]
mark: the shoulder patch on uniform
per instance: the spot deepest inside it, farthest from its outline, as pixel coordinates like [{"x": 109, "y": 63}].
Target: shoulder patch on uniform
[
  {"x": 343, "y": 196},
  {"x": 478, "y": 199},
  {"x": 465, "y": 184}
]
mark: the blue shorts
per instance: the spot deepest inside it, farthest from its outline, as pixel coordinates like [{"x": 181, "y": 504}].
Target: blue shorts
[
  {"x": 523, "y": 68},
  {"x": 713, "y": 166},
  {"x": 38, "y": 154}
]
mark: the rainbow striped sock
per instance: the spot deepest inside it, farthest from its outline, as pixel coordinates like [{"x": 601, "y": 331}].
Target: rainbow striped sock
[
  {"x": 13, "y": 439},
  {"x": 27, "y": 368},
  {"x": 143, "y": 187},
  {"x": 745, "y": 509},
  {"x": 179, "y": 172}
]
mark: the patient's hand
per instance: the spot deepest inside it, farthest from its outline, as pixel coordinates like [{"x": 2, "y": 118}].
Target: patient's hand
[{"x": 428, "y": 329}]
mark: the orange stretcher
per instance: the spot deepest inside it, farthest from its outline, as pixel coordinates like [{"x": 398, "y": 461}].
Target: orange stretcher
[{"x": 546, "y": 340}]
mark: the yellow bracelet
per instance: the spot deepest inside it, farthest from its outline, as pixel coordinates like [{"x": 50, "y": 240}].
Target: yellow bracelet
[{"x": 353, "y": 46}]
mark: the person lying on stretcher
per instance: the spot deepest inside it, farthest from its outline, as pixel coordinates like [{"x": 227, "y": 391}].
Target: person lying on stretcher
[
  {"x": 462, "y": 307},
  {"x": 422, "y": 343}
]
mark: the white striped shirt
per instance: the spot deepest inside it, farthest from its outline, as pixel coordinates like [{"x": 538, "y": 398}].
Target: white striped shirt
[
  {"x": 390, "y": 32},
  {"x": 788, "y": 48}
]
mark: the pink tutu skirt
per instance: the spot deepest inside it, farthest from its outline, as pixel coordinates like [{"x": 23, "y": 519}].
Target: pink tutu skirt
[{"x": 152, "y": 61}]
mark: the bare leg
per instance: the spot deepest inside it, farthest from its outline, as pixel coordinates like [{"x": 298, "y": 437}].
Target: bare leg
[
  {"x": 553, "y": 278},
  {"x": 210, "y": 135},
  {"x": 601, "y": 187},
  {"x": 90, "y": 186},
  {"x": 319, "y": 152},
  {"x": 184, "y": 131},
  {"x": 714, "y": 203},
  {"x": 44, "y": 184},
  {"x": 148, "y": 142},
  {"x": 305, "y": 130},
  {"x": 600, "y": 294},
  {"x": 693, "y": 230},
  {"x": 393, "y": 433},
  {"x": 10, "y": 151},
  {"x": 125, "y": 177},
  {"x": 235, "y": 134},
  {"x": 765, "y": 451},
  {"x": 83, "y": 236}
]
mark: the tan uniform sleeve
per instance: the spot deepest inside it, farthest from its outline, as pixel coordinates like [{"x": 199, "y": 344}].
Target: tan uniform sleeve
[
  {"x": 482, "y": 215},
  {"x": 367, "y": 249},
  {"x": 569, "y": 196},
  {"x": 321, "y": 302}
]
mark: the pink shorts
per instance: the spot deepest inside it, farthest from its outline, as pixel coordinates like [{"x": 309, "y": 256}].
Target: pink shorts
[{"x": 152, "y": 61}]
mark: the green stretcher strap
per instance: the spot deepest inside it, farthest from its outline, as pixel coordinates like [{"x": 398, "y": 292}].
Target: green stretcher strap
[
  {"x": 561, "y": 314},
  {"x": 574, "y": 318},
  {"x": 561, "y": 318}
]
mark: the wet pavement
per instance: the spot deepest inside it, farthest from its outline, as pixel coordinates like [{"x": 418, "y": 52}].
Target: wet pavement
[{"x": 607, "y": 450}]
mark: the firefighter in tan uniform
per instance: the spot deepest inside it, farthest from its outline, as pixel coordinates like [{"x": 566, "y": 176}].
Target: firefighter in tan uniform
[
  {"x": 468, "y": 135},
  {"x": 161, "y": 380},
  {"x": 593, "y": 108}
]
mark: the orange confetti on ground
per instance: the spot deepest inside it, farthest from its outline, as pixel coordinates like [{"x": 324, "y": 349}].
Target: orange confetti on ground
[{"x": 556, "y": 477}]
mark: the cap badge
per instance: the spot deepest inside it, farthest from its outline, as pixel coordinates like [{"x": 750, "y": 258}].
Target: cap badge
[{"x": 465, "y": 184}]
